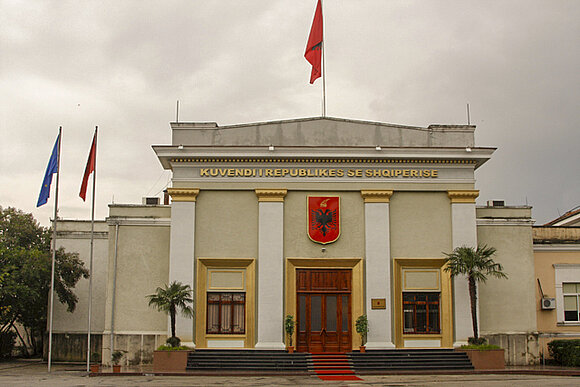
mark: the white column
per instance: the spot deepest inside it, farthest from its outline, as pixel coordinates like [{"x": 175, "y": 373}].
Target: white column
[
  {"x": 464, "y": 233},
  {"x": 270, "y": 268},
  {"x": 181, "y": 253},
  {"x": 378, "y": 268}
]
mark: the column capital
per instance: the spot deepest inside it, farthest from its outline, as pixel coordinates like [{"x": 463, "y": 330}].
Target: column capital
[
  {"x": 183, "y": 194},
  {"x": 271, "y": 195},
  {"x": 463, "y": 196},
  {"x": 376, "y": 196}
]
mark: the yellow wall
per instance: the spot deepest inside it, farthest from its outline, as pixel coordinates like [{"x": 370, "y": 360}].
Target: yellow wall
[
  {"x": 351, "y": 241},
  {"x": 420, "y": 224},
  {"x": 226, "y": 224}
]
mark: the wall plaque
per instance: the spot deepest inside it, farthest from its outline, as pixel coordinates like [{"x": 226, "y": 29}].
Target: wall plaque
[{"x": 378, "y": 303}]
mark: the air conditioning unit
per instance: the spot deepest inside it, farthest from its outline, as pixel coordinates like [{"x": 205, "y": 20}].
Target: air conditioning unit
[
  {"x": 151, "y": 201},
  {"x": 548, "y": 303},
  {"x": 496, "y": 203}
]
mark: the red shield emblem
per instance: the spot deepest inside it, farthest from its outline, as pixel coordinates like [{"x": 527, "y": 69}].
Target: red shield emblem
[{"x": 323, "y": 218}]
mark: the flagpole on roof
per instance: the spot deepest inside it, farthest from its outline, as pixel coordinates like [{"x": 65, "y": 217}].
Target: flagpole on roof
[
  {"x": 53, "y": 251},
  {"x": 314, "y": 51},
  {"x": 93, "y": 154},
  {"x": 323, "y": 64}
]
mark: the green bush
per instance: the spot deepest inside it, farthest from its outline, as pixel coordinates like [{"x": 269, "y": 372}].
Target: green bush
[
  {"x": 7, "y": 340},
  {"x": 173, "y": 341},
  {"x": 477, "y": 341},
  {"x": 565, "y": 352}
]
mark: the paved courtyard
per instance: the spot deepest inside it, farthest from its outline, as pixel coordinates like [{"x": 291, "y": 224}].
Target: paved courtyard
[{"x": 34, "y": 373}]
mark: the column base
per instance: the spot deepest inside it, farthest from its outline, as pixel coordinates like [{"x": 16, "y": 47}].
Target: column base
[
  {"x": 379, "y": 345},
  {"x": 271, "y": 345}
]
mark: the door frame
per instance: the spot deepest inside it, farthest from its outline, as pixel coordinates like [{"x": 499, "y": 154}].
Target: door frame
[{"x": 357, "y": 291}]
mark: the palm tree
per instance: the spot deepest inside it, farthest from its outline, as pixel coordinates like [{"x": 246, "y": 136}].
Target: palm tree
[
  {"x": 172, "y": 298},
  {"x": 476, "y": 264}
]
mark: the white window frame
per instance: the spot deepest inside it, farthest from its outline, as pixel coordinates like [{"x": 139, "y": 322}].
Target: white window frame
[{"x": 564, "y": 273}]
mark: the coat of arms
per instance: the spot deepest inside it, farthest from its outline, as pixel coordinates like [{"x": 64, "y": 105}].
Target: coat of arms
[{"x": 323, "y": 218}]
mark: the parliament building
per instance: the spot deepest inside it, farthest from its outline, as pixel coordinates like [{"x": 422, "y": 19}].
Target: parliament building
[{"x": 324, "y": 219}]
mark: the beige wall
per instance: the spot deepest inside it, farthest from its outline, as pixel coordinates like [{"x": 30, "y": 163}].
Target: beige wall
[
  {"x": 137, "y": 211},
  {"x": 75, "y": 237},
  {"x": 420, "y": 224},
  {"x": 350, "y": 244},
  {"x": 226, "y": 224},
  {"x": 508, "y": 306},
  {"x": 142, "y": 266}
]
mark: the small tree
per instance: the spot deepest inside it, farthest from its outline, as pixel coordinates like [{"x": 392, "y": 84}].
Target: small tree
[
  {"x": 25, "y": 277},
  {"x": 171, "y": 299},
  {"x": 289, "y": 324},
  {"x": 362, "y": 328},
  {"x": 477, "y": 265}
]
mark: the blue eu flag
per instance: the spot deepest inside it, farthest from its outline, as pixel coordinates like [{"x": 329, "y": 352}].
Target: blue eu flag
[{"x": 50, "y": 170}]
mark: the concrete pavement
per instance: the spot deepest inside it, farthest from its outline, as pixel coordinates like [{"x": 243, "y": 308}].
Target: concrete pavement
[{"x": 34, "y": 373}]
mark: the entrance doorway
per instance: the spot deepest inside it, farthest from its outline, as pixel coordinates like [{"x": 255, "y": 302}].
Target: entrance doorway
[{"x": 324, "y": 310}]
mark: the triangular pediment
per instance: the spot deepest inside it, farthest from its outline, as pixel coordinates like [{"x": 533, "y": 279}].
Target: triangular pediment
[{"x": 321, "y": 132}]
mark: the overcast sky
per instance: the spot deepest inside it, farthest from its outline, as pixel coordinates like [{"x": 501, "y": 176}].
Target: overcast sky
[{"x": 122, "y": 65}]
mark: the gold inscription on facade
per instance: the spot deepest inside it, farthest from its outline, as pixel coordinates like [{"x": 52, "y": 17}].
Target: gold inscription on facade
[{"x": 319, "y": 172}]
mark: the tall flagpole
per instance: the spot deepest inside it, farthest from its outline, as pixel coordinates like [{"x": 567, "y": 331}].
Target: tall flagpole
[
  {"x": 53, "y": 252},
  {"x": 323, "y": 64},
  {"x": 91, "y": 255}
]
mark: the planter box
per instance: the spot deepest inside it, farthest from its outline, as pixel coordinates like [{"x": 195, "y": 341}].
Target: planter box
[
  {"x": 170, "y": 361},
  {"x": 492, "y": 359}
]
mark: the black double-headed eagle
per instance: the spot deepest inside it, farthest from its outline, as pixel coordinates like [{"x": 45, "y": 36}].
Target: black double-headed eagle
[{"x": 323, "y": 220}]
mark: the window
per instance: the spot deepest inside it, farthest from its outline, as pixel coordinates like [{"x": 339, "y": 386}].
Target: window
[
  {"x": 571, "y": 293},
  {"x": 226, "y": 313},
  {"x": 421, "y": 312},
  {"x": 567, "y": 284}
]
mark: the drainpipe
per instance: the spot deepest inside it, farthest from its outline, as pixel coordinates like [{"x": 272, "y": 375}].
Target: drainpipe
[{"x": 114, "y": 289}]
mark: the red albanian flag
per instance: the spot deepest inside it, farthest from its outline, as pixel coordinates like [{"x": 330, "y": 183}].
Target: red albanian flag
[
  {"x": 89, "y": 168},
  {"x": 313, "y": 52},
  {"x": 323, "y": 218}
]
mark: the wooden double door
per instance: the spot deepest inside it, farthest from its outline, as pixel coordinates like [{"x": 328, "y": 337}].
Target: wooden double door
[{"x": 324, "y": 310}]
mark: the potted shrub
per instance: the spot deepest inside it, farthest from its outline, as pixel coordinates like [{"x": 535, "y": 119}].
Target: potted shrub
[
  {"x": 116, "y": 357},
  {"x": 362, "y": 328},
  {"x": 477, "y": 264},
  {"x": 289, "y": 325},
  {"x": 95, "y": 366},
  {"x": 172, "y": 299},
  {"x": 484, "y": 356},
  {"x": 171, "y": 357}
]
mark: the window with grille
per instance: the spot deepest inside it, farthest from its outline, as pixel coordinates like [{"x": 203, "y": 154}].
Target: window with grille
[
  {"x": 571, "y": 293},
  {"x": 226, "y": 313},
  {"x": 421, "y": 312}
]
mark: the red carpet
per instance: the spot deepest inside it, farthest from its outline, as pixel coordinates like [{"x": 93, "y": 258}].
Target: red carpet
[{"x": 333, "y": 366}]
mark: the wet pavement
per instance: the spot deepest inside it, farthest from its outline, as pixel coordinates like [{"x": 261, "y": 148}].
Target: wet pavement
[{"x": 34, "y": 373}]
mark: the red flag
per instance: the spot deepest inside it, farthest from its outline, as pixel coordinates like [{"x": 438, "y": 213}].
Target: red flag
[
  {"x": 313, "y": 52},
  {"x": 89, "y": 168}
]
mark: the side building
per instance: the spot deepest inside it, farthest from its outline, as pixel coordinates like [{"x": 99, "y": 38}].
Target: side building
[
  {"x": 323, "y": 219},
  {"x": 557, "y": 271}
]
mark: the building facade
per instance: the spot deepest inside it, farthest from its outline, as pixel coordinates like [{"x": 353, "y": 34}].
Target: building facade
[
  {"x": 326, "y": 220},
  {"x": 557, "y": 270}
]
